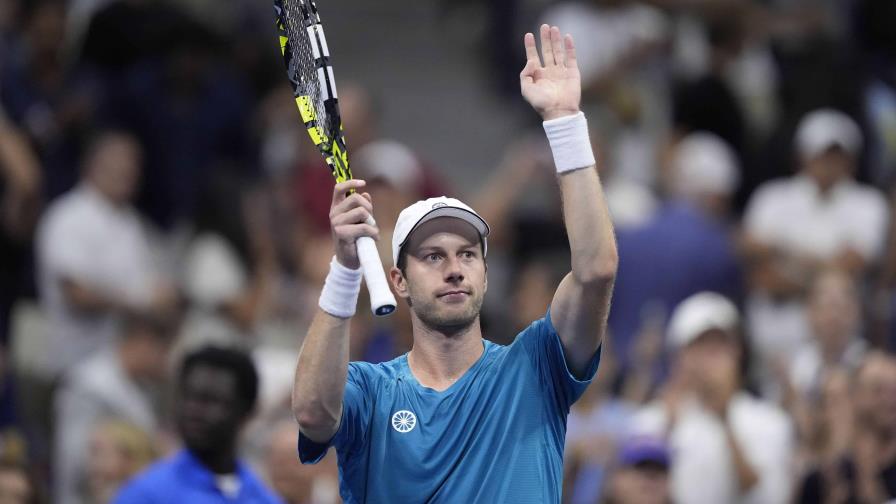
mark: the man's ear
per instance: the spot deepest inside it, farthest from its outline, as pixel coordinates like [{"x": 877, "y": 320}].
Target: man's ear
[{"x": 399, "y": 283}]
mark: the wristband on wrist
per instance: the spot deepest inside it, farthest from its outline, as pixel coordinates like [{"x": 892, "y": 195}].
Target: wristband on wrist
[
  {"x": 570, "y": 142},
  {"x": 339, "y": 297}
]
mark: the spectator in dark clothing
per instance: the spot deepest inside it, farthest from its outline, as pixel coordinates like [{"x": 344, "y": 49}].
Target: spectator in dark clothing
[
  {"x": 191, "y": 113},
  {"x": 867, "y": 472},
  {"x": 217, "y": 393},
  {"x": 20, "y": 184},
  {"x": 52, "y": 103},
  {"x": 127, "y": 32}
]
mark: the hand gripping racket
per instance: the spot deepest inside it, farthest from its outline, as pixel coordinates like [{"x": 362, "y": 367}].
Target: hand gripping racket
[{"x": 308, "y": 67}]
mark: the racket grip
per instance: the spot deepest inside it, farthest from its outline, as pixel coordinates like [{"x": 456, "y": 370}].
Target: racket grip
[{"x": 381, "y": 300}]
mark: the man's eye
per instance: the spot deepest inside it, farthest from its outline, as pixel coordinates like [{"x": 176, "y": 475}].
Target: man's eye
[{"x": 432, "y": 257}]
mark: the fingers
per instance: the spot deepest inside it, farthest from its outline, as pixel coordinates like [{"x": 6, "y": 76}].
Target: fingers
[
  {"x": 342, "y": 189},
  {"x": 547, "y": 55},
  {"x": 356, "y": 215},
  {"x": 354, "y": 209},
  {"x": 351, "y": 202},
  {"x": 350, "y": 233},
  {"x": 570, "y": 52},
  {"x": 531, "y": 51},
  {"x": 557, "y": 46}
]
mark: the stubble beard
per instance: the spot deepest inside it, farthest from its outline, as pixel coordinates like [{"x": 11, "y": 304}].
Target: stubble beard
[{"x": 439, "y": 318}]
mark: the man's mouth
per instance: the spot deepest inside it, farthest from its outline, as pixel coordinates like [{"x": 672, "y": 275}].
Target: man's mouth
[{"x": 453, "y": 295}]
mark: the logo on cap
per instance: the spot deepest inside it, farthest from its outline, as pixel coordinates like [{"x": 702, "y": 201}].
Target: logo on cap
[{"x": 438, "y": 204}]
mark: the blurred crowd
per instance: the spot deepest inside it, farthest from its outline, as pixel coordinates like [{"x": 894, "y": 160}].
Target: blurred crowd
[{"x": 164, "y": 236}]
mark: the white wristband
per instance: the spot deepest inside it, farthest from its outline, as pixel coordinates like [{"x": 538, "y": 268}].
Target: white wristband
[
  {"x": 339, "y": 297},
  {"x": 570, "y": 143}
]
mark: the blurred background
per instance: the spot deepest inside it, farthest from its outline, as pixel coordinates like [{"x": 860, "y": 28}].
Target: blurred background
[{"x": 159, "y": 194}]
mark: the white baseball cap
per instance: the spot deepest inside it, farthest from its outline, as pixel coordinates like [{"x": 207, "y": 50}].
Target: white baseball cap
[
  {"x": 699, "y": 313},
  {"x": 422, "y": 211},
  {"x": 704, "y": 163},
  {"x": 824, "y": 128}
]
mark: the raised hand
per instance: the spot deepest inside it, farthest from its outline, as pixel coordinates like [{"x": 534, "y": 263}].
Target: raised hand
[
  {"x": 348, "y": 220},
  {"x": 554, "y": 89}
]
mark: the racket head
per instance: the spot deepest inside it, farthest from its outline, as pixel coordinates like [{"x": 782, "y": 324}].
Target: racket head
[{"x": 307, "y": 61}]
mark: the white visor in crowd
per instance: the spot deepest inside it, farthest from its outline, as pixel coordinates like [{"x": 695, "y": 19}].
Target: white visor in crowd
[
  {"x": 422, "y": 211},
  {"x": 825, "y": 128},
  {"x": 698, "y": 314}
]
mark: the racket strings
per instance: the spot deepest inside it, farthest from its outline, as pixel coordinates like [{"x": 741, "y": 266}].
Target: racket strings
[{"x": 304, "y": 68}]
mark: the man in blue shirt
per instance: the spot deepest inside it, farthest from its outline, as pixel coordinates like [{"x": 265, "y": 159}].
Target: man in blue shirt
[
  {"x": 458, "y": 418},
  {"x": 217, "y": 392}
]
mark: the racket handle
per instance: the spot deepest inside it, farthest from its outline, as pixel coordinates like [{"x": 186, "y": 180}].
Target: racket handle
[{"x": 381, "y": 300}]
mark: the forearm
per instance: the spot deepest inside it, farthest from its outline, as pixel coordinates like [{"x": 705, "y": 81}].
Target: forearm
[
  {"x": 86, "y": 299},
  {"x": 747, "y": 478},
  {"x": 582, "y": 302},
  {"x": 592, "y": 243},
  {"x": 320, "y": 377}
]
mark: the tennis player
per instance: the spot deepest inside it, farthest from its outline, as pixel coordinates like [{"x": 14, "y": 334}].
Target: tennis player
[{"x": 459, "y": 419}]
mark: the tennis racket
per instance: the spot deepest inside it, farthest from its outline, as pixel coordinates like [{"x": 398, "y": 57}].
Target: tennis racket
[{"x": 308, "y": 67}]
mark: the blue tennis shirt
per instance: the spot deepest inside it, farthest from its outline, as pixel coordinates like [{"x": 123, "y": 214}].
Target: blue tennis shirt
[{"x": 496, "y": 435}]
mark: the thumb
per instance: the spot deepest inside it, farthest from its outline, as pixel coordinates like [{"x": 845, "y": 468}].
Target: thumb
[{"x": 528, "y": 73}]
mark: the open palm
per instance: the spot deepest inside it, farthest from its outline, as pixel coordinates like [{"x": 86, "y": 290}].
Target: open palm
[{"x": 554, "y": 89}]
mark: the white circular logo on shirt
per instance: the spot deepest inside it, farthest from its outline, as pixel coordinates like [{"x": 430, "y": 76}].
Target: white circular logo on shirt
[{"x": 404, "y": 421}]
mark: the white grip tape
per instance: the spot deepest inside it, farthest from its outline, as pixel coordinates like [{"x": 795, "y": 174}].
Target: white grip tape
[
  {"x": 570, "y": 142},
  {"x": 382, "y": 302}
]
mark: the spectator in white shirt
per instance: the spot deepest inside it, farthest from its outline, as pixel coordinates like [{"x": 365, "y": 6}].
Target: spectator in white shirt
[
  {"x": 94, "y": 255},
  {"x": 727, "y": 446},
  {"x": 795, "y": 227},
  {"x": 124, "y": 382}
]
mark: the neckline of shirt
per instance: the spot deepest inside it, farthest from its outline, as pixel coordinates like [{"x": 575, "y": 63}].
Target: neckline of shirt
[{"x": 409, "y": 375}]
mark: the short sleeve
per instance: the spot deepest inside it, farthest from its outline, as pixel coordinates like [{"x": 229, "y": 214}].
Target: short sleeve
[
  {"x": 543, "y": 346},
  {"x": 772, "y": 462},
  {"x": 64, "y": 250},
  {"x": 869, "y": 239},
  {"x": 356, "y": 407}
]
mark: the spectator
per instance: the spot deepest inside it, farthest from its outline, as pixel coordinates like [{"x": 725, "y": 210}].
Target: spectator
[
  {"x": 229, "y": 265},
  {"x": 642, "y": 474},
  {"x": 834, "y": 313},
  {"x": 728, "y": 446},
  {"x": 118, "y": 451},
  {"x": 88, "y": 242},
  {"x": 191, "y": 113},
  {"x": 597, "y": 423},
  {"x": 20, "y": 188},
  {"x": 51, "y": 102},
  {"x": 16, "y": 486},
  {"x": 615, "y": 37},
  {"x": 697, "y": 253},
  {"x": 313, "y": 181},
  {"x": 217, "y": 389},
  {"x": 629, "y": 196},
  {"x": 797, "y": 226},
  {"x": 122, "y": 382},
  {"x": 867, "y": 472},
  {"x": 708, "y": 102}
]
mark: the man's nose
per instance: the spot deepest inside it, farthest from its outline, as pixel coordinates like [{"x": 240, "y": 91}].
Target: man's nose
[{"x": 453, "y": 271}]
